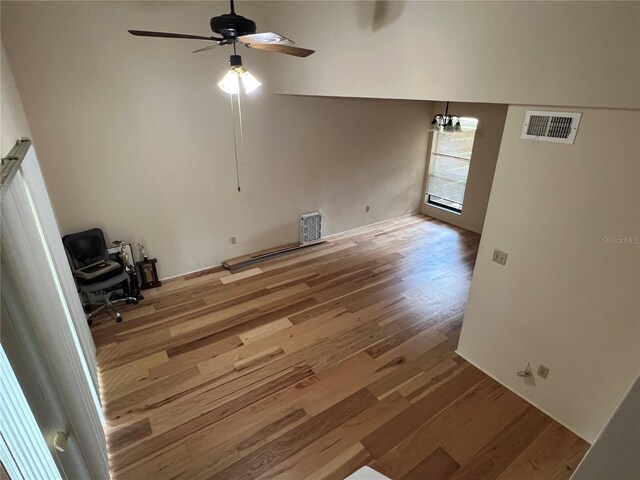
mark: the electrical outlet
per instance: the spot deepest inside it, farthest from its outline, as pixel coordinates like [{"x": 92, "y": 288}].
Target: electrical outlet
[
  {"x": 499, "y": 257},
  {"x": 233, "y": 240},
  {"x": 366, "y": 209},
  {"x": 543, "y": 371}
]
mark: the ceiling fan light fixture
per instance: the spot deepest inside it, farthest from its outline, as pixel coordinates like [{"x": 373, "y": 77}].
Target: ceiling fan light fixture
[
  {"x": 249, "y": 82},
  {"x": 230, "y": 83},
  {"x": 238, "y": 76}
]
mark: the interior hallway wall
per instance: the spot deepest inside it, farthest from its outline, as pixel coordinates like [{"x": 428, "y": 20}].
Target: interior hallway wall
[
  {"x": 615, "y": 452},
  {"x": 134, "y": 136},
  {"x": 510, "y": 52},
  {"x": 569, "y": 218}
]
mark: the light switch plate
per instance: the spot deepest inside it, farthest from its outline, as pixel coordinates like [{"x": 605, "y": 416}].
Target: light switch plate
[{"x": 499, "y": 257}]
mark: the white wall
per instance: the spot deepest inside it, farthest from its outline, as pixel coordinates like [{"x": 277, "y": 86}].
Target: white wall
[
  {"x": 615, "y": 452},
  {"x": 547, "y": 53},
  {"x": 134, "y": 136},
  {"x": 13, "y": 122},
  {"x": 486, "y": 145},
  {"x": 566, "y": 297}
]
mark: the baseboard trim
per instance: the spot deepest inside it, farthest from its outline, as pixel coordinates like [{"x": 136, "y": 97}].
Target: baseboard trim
[
  {"x": 529, "y": 401},
  {"x": 326, "y": 238},
  {"x": 354, "y": 229},
  {"x": 174, "y": 277}
]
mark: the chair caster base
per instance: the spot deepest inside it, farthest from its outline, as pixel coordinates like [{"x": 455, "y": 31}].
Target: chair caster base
[
  {"x": 118, "y": 318},
  {"x": 132, "y": 302},
  {"x": 90, "y": 322}
]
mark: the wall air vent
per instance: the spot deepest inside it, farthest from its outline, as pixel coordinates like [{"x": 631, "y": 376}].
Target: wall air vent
[
  {"x": 557, "y": 127},
  {"x": 310, "y": 228}
]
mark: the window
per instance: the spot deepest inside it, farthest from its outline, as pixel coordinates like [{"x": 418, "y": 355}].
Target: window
[{"x": 449, "y": 166}]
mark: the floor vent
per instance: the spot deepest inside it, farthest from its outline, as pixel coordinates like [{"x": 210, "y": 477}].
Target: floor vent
[
  {"x": 557, "y": 127},
  {"x": 310, "y": 228}
]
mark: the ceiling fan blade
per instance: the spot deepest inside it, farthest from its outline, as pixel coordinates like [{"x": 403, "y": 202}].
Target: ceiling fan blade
[
  {"x": 266, "y": 38},
  {"x": 205, "y": 48},
  {"x": 286, "y": 49},
  {"x": 144, "y": 33}
]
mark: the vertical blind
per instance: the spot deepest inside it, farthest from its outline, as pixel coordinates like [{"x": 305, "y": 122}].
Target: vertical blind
[
  {"x": 23, "y": 451},
  {"x": 32, "y": 254}
]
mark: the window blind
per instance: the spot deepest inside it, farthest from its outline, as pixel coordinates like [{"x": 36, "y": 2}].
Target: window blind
[
  {"x": 23, "y": 451},
  {"x": 449, "y": 162},
  {"x": 31, "y": 254}
]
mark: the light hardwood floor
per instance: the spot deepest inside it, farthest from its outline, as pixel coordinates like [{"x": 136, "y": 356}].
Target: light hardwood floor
[{"x": 316, "y": 363}]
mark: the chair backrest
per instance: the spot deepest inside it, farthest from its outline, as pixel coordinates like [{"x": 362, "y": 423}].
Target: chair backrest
[{"x": 85, "y": 248}]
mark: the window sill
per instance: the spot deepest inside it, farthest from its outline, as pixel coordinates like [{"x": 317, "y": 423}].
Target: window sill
[{"x": 443, "y": 208}]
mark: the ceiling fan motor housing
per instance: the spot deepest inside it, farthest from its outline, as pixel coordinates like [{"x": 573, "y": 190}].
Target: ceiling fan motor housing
[{"x": 231, "y": 26}]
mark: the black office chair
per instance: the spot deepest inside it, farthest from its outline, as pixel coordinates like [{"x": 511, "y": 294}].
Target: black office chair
[{"x": 96, "y": 275}]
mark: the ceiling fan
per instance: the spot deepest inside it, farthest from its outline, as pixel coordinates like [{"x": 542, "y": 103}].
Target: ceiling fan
[{"x": 234, "y": 28}]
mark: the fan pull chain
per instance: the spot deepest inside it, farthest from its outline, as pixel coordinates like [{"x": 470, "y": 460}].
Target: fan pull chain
[
  {"x": 235, "y": 140},
  {"x": 240, "y": 118},
  {"x": 239, "y": 107}
]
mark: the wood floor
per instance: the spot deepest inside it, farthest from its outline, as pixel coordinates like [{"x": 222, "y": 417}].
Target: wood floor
[{"x": 316, "y": 363}]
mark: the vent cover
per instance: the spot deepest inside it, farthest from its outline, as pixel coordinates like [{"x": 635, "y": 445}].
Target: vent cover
[
  {"x": 310, "y": 228},
  {"x": 557, "y": 127}
]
